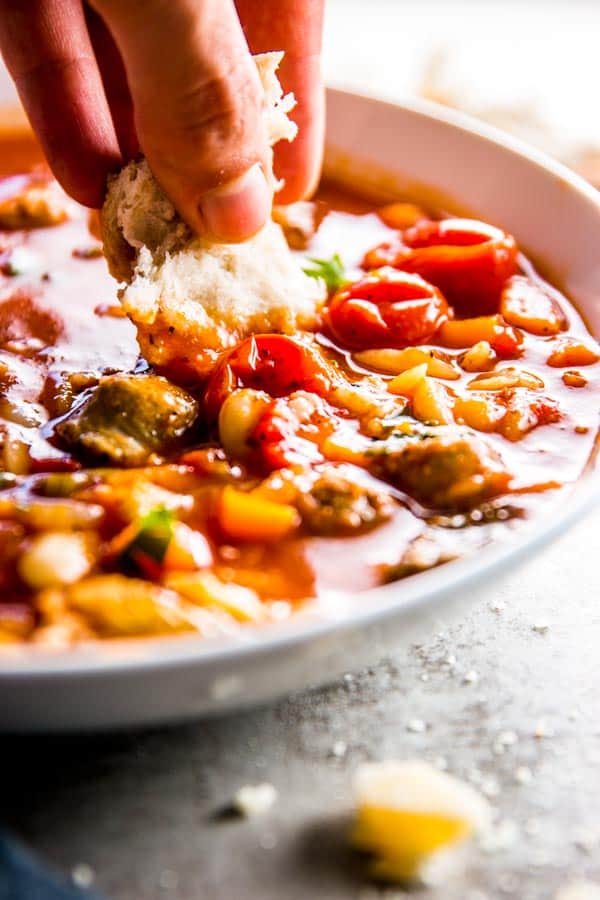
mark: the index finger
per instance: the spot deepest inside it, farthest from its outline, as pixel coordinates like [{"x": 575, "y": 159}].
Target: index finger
[
  {"x": 198, "y": 109},
  {"x": 296, "y": 27}
]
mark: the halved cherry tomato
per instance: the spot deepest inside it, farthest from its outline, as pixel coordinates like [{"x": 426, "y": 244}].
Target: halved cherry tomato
[
  {"x": 273, "y": 363},
  {"x": 386, "y": 308},
  {"x": 469, "y": 261}
]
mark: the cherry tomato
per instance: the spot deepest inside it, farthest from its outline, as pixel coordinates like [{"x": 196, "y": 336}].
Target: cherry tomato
[
  {"x": 386, "y": 308},
  {"x": 469, "y": 261},
  {"x": 273, "y": 363}
]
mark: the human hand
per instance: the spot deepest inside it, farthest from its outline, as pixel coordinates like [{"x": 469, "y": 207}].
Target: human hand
[{"x": 175, "y": 79}]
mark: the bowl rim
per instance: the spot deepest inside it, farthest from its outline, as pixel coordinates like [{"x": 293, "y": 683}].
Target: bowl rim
[
  {"x": 467, "y": 123},
  {"x": 427, "y": 591}
]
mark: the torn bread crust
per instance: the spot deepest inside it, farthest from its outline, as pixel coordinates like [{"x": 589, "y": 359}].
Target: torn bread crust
[
  {"x": 277, "y": 104},
  {"x": 191, "y": 298}
]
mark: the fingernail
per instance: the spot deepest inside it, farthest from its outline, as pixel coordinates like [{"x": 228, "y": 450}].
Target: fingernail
[{"x": 239, "y": 209}]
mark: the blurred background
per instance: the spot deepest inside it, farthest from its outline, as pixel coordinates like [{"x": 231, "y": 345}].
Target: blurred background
[{"x": 531, "y": 67}]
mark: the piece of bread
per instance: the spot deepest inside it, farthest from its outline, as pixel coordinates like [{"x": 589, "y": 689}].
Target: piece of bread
[{"x": 191, "y": 298}]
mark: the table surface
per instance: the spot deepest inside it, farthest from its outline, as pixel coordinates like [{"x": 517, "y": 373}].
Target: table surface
[{"x": 143, "y": 810}]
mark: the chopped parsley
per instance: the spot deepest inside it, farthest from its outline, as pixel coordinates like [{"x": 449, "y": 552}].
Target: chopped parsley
[{"x": 331, "y": 271}]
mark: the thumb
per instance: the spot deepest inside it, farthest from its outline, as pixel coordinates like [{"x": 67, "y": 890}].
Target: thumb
[{"x": 198, "y": 109}]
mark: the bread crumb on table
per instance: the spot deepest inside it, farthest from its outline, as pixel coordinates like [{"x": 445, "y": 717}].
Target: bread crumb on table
[{"x": 254, "y": 799}]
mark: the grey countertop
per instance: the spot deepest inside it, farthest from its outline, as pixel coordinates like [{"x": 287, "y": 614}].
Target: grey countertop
[{"x": 507, "y": 697}]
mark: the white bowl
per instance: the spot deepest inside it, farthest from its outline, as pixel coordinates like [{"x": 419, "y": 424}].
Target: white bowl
[{"x": 556, "y": 217}]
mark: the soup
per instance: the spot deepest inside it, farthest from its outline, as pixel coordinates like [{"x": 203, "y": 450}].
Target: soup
[{"x": 448, "y": 394}]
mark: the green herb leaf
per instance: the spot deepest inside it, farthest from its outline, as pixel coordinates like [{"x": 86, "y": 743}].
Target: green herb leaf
[{"x": 331, "y": 271}]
